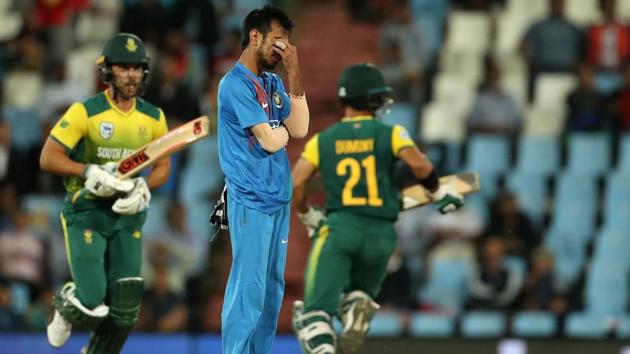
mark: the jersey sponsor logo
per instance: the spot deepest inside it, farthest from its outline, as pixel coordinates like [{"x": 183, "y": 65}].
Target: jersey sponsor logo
[
  {"x": 264, "y": 105},
  {"x": 277, "y": 100},
  {"x": 131, "y": 45},
  {"x": 274, "y": 123},
  {"x": 354, "y": 146},
  {"x": 132, "y": 161},
  {"x": 112, "y": 153},
  {"x": 106, "y": 129},
  {"x": 64, "y": 124}
]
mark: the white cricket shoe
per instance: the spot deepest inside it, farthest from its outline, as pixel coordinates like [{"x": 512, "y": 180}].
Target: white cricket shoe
[
  {"x": 357, "y": 310},
  {"x": 58, "y": 330}
]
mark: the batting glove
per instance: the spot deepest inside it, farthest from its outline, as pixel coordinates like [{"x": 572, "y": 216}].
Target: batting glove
[
  {"x": 136, "y": 201},
  {"x": 101, "y": 181},
  {"x": 447, "y": 199},
  {"x": 311, "y": 219}
]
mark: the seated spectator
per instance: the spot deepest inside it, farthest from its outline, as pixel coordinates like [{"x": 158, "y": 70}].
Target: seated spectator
[
  {"x": 478, "y": 5},
  {"x": 587, "y": 107},
  {"x": 552, "y": 45},
  {"x": 22, "y": 257},
  {"x": 396, "y": 290},
  {"x": 494, "y": 110},
  {"x": 539, "y": 291},
  {"x": 162, "y": 309},
  {"x": 493, "y": 285},
  {"x": 608, "y": 42},
  {"x": 620, "y": 104},
  {"x": 512, "y": 226},
  {"x": 404, "y": 52}
]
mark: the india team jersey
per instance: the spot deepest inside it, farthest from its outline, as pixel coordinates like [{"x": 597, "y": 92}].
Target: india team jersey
[
  {"x": 254, "y": 177},
  {"x": 356, "y": 158},
  {"x": 96, "y": 131}
]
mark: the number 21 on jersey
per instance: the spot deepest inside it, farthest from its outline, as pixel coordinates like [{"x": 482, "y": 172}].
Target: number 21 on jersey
[{"x": 355, "y": 169}]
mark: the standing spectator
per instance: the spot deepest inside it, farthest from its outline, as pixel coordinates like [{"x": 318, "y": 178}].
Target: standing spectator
[
  {"x": 396, "y": 289},
  {"x": 620, "y": 102},
  {"x": 539, "y": 292},
  {"x": 608, "y": 42},
  {"x": 404, "y": 52},
  {"x": 552, "y": 45},
  {"x": 163, "y": 310},
  {"x": 494, "y": 110},
  {"x": 512, "y": 225},
  {"x": 493, "y": 286},
  {"x": 586, "y": 105}
]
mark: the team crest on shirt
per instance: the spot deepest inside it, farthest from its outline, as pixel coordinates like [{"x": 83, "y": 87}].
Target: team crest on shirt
[
  {"x": 143, "y": 132},
  {"x": 87, "y": 236},
  {"x": 277, "y": 100},
  {"x": 106, "y": 129}
]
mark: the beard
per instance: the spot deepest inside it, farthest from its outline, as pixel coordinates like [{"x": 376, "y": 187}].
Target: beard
[
  {"x": 125, "y": 92},
  {"x": 264, "y": 63}
]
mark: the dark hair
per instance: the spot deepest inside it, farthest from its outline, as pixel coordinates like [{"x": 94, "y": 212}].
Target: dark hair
[{"x": 260, "y": 19}]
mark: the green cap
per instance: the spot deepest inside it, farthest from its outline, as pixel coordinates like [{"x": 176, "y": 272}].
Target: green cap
[
  {"x": 361, "y": 81},
  {"x": 123, "y": 48}
]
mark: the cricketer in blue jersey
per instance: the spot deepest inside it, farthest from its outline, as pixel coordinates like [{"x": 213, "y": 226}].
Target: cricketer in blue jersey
[{"x": 256, "y": 118}]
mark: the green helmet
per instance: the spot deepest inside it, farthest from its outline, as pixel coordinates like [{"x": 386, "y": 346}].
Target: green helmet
[
  {"x": 122, "y": 48},
  {"x": 362, "y": 86}
]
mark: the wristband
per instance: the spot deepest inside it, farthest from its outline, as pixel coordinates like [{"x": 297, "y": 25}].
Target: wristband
[
  {"x": 297, "y": 97},
  {"x": 430, "y": 182}
]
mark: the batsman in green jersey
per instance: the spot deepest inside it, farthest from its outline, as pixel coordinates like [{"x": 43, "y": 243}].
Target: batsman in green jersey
[
  {"x": 102, "y": 216},
  {"x": 354, "y": 239}
]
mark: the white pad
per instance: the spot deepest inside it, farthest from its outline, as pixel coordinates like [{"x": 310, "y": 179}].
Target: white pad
[
  {"x": 100, "y": 311},
  {"x": 306, "y": 333}
]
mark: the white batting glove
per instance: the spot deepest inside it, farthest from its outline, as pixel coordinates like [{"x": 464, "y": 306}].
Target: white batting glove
[
  {"x": 101, "y": 181},
  {"x": 136, "y": 201},
  {"x": 447, "y": 199},
  {"x": 311, "y": 219}
]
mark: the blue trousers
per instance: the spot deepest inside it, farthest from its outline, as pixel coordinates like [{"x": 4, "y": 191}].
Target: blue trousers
[{"x": 253, "y": 296}]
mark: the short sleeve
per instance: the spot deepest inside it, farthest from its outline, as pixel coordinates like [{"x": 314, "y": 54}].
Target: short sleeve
[
  {"x": 161, "y": 128},
  {"x": 400, "y": 139},
  {"x": 311, "y": 151},
  {"x": 243, "y": 100},
  {"x": 72, "y": 126}
]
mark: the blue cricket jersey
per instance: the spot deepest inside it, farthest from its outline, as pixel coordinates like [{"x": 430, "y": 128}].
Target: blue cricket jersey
[{"x": 254, "y": 177}]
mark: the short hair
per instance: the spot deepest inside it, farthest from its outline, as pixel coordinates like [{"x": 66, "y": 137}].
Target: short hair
[{"x": 260, "y": 19}]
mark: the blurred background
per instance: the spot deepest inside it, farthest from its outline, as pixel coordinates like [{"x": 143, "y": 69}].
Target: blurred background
[{"x": 533, "y": 94}]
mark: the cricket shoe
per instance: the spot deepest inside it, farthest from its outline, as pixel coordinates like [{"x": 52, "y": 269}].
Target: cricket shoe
[
  {"x": 357, "y": 310},
  {"x": 59, "y": 329}
]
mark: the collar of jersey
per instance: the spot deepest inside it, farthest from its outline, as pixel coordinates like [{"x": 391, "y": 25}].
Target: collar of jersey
[
  {"x": 357, "y": 118},
  {"x": 244, "y": 68},
  {"x": 115, "y": 108}
]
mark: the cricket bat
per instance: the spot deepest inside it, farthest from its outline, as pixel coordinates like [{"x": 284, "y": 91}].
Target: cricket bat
[
  {"x": 173, "y": 141},
  {"x": 417, "y": 196}
]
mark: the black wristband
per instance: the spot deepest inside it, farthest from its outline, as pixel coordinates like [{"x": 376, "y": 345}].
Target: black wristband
[{"x": 430, "y": 182}]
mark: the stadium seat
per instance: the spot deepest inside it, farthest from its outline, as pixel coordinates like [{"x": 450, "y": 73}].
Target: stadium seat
[
  {"x": 584, "y": 325},
  {"x": 403, "y": 114},
  {"x": 606, "y": 290},
  {"x": 623, "y": 165},
  {"x": 607, "y": 83},
  {"x": 440, "y": 122},
  {"x": 43, "y": 212},
  {"x": 532, "y": 193},
  {"x": 386, "y": 324},
  {"x": 588, "y": 153},
  {"x": 538, "y": 154},
  {"x": 534, "y": 324},
  {"x": 553, "y": 89},
  {"x": 446, "y": 287},
  {"x": 479, "y": 324},
  {"x": 431, "y": 325},
  {"x": 22, "y": 89},
  {"x": 617, "y": 194},
  {"x": 545, "y": 121},
  {"x": 623, "y": 329},
  {"x": 612, "y": 244},
  {"x": 488, "y": 153},
  {"x": 583, "y": 12},
  {"x": 157, "y": 219},
  {"x": 468, "y": 32},
  {"x": 510, "y": 30},
  {"x": 575, "y": 203},
  {"x": 569, "y": 253},
  {"x": 458, "y": 94},
  {"x": 530, "y": 10}
]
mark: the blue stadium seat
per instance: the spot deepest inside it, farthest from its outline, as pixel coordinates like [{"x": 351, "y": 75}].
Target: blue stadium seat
[
  {"x": 623, "y": 329},
  {"x": 531, "y": 190},
  {"x": 584, "y": 325},
  {"x": 403, "y": 114},
  {"x": 431, "y": 325},
  {"x": 157, "y": 221},
  {"x": 617, "y": 195},
  {"x": 483, "y": 324},
  {"x": 623, "y": 164},
  {"x": 488, "y": 154},
  {"x": 23, "y": 122},
  {"x": 575, "y": 203},
  {"x": 538, "y": 154},
  {"x": 569, "y": 253},
  {"x": 534, "y": 324},
  {"x": 446, "y": 286},
  {"x": 606, "y": 290},
  {"x": 589, "y": 153},
  {"x": 44, "y": 212},
  {"x": 386, "y": 324},
  {"x": 612, "y": 244},
  {"x": 202, "y": 174}
]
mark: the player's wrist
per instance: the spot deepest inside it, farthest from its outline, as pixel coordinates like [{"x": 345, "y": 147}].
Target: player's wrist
[{"x": 431, "y": 182}]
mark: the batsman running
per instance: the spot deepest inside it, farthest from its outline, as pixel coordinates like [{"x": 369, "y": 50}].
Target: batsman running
[
  {"x": 354, "y": 238},
  {"x": 102, "y": 215}
]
